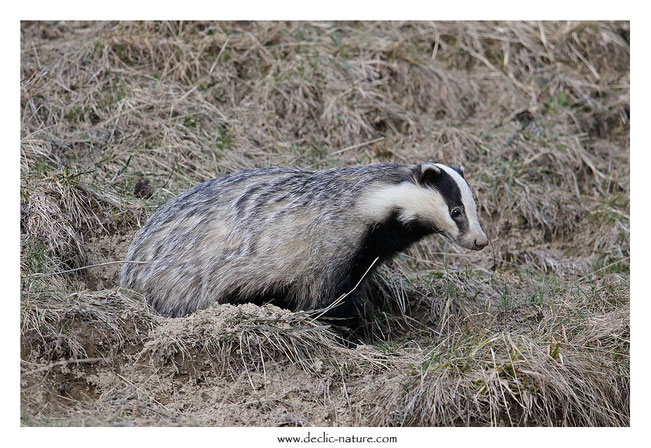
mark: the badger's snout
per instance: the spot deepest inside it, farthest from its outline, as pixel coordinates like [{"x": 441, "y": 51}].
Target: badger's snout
[
  {"x": 480, "y": 243},
  {"x": 476, "y": 241}
]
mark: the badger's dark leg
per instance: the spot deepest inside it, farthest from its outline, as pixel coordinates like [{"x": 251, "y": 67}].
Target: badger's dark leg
[
  {"x": 380, "y": 243},
  {"x": 345, "y": 321},
  {"x": 347, "y": 313}
]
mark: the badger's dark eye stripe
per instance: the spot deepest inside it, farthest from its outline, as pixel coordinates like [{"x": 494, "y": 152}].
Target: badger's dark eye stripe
[
  {"x": 449, "y": 189},
  {"x": 451, "y": 192}
]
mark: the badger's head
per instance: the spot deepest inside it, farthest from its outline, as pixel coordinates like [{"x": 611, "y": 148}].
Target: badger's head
[
  {"x": 436, "y": 198},
  {"x": 445, "y": 201}
]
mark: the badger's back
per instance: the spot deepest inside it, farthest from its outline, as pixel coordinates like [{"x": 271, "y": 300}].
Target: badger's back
[{"x": 299, "y": 237}]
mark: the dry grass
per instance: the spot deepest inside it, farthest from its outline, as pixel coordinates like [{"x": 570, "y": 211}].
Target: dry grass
[{"x": 534, "y": 330}]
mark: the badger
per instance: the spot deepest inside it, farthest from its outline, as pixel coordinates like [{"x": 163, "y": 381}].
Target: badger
[{"x": 299, "y": 239}]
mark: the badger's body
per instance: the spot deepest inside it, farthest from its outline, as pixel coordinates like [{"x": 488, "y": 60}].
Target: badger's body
[{"x": 294, "y": 237}]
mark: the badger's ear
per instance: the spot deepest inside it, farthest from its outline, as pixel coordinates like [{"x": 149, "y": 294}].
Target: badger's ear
[
  {"x": 426, "y": 174},
  {"x": 460, "y": 170}
]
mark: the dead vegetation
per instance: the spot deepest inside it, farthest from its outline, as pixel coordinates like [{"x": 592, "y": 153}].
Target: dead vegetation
[{"x": 119, "y": 117}]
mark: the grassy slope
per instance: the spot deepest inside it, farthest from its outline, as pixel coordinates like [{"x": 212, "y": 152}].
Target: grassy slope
[{"x": 534, "y": 330}]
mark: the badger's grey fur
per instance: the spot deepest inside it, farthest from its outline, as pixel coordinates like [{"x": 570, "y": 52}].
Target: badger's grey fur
[{"x": 298, "y": 238}]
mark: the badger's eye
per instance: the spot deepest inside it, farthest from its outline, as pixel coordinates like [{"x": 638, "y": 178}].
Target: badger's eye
[{"x": 456, "y": 212}]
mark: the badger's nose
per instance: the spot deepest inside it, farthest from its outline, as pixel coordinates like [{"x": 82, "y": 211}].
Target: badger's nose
[{"x": 480, "y": 243}]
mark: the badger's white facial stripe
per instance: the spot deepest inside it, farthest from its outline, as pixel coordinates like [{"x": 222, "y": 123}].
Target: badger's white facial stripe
[{"x": 414, "y": 202}]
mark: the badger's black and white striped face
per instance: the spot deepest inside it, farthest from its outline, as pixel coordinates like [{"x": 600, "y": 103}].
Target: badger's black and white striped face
[
  {"x": 462, "y": 225},
  {"x": 438, "y": 197}
]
